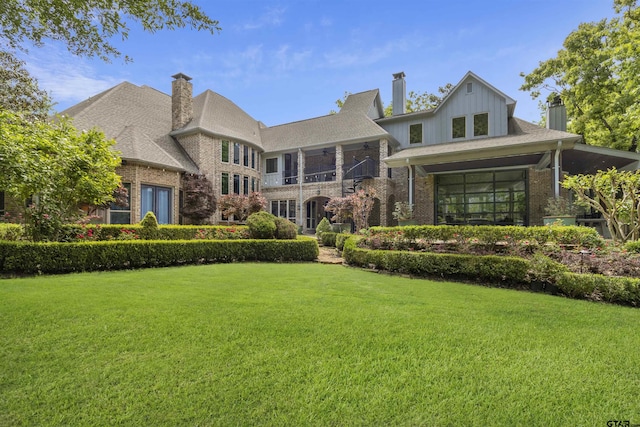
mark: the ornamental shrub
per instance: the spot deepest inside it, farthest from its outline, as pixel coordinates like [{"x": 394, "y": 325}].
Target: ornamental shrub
[
  {"x": 262, "y": 225},
  {"x": 285, "y": 229},
  {"x": 323, "y": 227},
  {"x": 149, "y": 226}
]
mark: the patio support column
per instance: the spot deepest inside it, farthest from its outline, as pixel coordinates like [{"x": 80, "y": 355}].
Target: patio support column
[
  {"x": 339, "y": 163},
  {"x": 383, "y": 153},
  {"x": 556, "y": 171},
  {"x": 300, "y": 179},
  {"x": 410, "y": 184}
]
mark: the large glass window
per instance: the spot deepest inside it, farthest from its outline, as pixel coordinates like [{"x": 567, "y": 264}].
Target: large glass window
[
  {"x": 157, "y": 200},
  {"x": 415, "y": 133},
  {"x": 225, "y": 183},
  {"x": 225, "y": 151},
  {"x": 236, "y": 153},
  {"x": 284, "y": 209},
  {"x": 459, "y": 127},
  {"x": 120, "y": 214},
  {"x": 236, "y": 184},
  {"x": 481, "y": 124},
  {"x": 245, "y": 185},
  {"x": 245, "y": 156},
  {"x": 482, "y": 198},
  {"x": 253, "y": 158}
]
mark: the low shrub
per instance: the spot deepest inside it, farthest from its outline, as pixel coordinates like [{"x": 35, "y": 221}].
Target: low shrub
[
  {"x": 262, "y": 225},
  {"x": 539, "y": 273},
  {"x": 149, "y": 223},
  {"x": 285, "y": 229},
  {"x": 595, "y": 287},
  {"x": 586, "y": 237},
  {"x": 323, "y": 226},
  {"x": 328, "y": 238},
  {"x": 340, "y": 239},
  {"x": 11, "y": 232},
  {"x": 54, "y": 258},
  {"x": 105, "y": 232}
]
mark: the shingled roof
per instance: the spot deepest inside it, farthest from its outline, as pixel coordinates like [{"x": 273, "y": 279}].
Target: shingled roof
[
  {"x": 364, "y": 102},
  {"x": 344, "y": 127},
  {"x": 215, "y": 114},
  {"x": 139, "y": 119}
]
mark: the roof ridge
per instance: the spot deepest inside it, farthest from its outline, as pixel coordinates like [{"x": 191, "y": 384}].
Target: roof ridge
[{"x": 89, "y": 103}]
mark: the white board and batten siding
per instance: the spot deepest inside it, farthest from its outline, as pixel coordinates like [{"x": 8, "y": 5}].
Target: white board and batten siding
[{"x": 437, "y": 127}]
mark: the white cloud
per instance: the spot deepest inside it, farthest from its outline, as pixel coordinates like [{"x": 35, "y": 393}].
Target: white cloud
[
  {"x": 273, "y": 17},
  {"x": 67, "y": 78}
]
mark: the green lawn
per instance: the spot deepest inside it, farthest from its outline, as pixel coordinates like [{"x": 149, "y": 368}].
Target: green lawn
[{"x": 307, "y": 344}]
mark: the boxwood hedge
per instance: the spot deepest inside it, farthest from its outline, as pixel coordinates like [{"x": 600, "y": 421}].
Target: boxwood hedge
[{"x": 54, "y": 257}]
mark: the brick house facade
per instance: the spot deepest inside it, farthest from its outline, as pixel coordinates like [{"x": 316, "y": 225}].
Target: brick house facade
[{"x": 469, "y": 160}]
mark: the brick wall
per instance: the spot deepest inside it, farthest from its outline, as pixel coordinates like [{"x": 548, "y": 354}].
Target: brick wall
[
  {"x": 540, "y": 189},
  {"x": 137, "y": 175}
]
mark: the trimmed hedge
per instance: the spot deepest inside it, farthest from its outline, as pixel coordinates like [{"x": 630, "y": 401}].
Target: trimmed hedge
[
  {"x": 586, "y": 237},
  {"x": 53, "y": 258},
  {"x": 340, "y": 239},
  {"x": 328, "y": 238},
  {"x": 493, "y": 268},
  {"x": 539, "y": 274},
  {"x": 104, "y": 232}
]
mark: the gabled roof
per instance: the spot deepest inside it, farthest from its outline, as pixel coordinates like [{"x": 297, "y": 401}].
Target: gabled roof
[
  {"x": 139, "y": 118},
  {"x": 217, "y": 115},
  {"x": 344, "y": 127},
  {"x": 523, "y": 138},
  {"x": 511, "y": 103},
  {"x": 368, "y": 103}
]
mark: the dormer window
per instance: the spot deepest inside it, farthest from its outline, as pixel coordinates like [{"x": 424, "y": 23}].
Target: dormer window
[
  {"x": 459, "y": 127},
  {"x": 415, "y": 133},
  {"x": 481, "y": 124}
]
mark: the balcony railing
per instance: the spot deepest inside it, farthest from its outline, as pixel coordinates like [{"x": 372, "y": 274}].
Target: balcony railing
[
  {"x": 321, "y": 173},
  {"x": 361, "y": 169}
]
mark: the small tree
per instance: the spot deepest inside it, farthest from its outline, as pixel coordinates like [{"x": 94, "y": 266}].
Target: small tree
[
  {"x": 57, "y": 167},
  {"x": 616, "y": 195},
  {"x": 240, "y": 207},
  {"x": 362, "y": 202},
  {"x": 255, "y": 203},
  {"x": 341, "y": 208},
  {"x": 199, "y": 199}
]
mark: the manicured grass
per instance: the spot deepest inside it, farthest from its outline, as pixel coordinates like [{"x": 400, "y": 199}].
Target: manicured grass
[{"x": 307, "y": 344}]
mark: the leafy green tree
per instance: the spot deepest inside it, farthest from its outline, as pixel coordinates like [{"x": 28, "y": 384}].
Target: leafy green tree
[
  {"x": 616, "y": 195},
  {"x": 53, "y": 170},
  {"x": 19, "y": 91},
  {"x": 597, "y": 75},
  {"x": 87, "y": 27}
]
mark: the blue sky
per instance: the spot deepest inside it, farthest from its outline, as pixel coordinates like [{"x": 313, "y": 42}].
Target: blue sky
[{"x": 290, "y": 60}]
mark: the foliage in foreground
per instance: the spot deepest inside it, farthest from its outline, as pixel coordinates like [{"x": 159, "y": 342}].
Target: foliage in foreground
[
  {"x": 615, "y": 195},
  {"x": 53, "y": 170}
]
